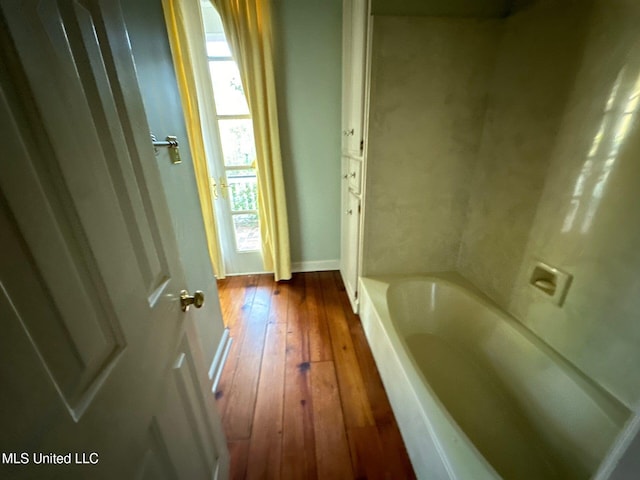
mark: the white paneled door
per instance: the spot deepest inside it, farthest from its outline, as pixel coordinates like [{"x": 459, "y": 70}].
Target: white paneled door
[{"x": 99, "y": 370}]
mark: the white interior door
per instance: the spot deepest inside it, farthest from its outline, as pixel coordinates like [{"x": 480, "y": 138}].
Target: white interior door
[{"x": 94, "y": 355}]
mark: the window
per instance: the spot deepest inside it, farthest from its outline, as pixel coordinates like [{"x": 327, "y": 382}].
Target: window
[{"x": 239, "y": 184}]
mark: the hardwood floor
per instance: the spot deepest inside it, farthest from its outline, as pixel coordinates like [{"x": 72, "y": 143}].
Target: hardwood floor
[{"x": 300, "y": 395}]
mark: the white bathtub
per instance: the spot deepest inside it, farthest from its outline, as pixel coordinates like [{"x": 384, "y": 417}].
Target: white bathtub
[{"x": 476, "y": 395}]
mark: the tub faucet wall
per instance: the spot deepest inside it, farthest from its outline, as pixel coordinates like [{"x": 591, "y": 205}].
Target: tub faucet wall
[{"x": 550, "y": 173}]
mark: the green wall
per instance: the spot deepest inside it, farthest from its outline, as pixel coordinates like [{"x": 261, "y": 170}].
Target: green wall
[{"x": 307, "y": 45}]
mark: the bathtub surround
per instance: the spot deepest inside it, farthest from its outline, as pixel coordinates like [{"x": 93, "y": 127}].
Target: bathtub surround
[
  {"x": 444, "y": 8},
  {"x": 553, "y": 176},
  {"x": 429, "y": 82},
  {"x": 587, "y": 220},
  {"x": 533, "y": 75},
  {"x": 566, "y": 195}
]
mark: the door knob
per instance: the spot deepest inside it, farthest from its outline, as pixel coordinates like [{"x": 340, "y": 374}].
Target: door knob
[{"x": 186, "y": 300}]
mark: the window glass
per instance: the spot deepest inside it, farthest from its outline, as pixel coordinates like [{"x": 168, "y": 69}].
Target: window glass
[
  {"x": 238, "y": 145},
  {"x": 243, "y": 189},
  {"x": 227, "y": 88},
  {"x": 247, "y": 232},
  {"x": 217, "y": 45}
]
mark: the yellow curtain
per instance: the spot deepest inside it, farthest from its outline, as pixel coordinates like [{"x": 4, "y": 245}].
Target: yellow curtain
[
  {"x": 247, "y": 25},
  {"x": 184, "y": 26}
]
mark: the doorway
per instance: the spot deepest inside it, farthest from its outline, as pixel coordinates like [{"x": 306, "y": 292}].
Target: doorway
[{"x": 232, "y": 160}]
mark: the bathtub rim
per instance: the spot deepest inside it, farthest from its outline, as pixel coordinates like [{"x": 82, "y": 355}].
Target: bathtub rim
[
  {"x": 460, "y": 457},
  {"x": 609, "y": 403}
]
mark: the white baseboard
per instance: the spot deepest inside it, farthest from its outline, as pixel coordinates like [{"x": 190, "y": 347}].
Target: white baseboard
[
  {"x": 299, "y": 267},
  {"x": 220, "y": 358},
  {"x": 315, "y": 266},
  {"x": 312, "y": 266}
]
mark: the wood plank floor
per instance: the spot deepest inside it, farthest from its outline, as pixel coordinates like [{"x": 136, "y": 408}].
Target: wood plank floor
[{"x": 300, "y": 395}]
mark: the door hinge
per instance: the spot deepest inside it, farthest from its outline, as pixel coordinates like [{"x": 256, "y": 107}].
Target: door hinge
[{"x": 361, "y": 146}]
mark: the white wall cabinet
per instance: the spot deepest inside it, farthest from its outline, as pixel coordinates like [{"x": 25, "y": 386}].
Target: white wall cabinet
[
  {"x": 354, "y": 93},
  {"x": 354, "y": 45},
  {"x": 350, "y": 264}
]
